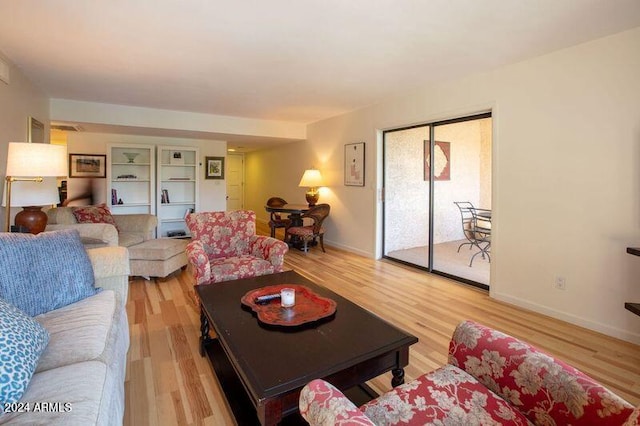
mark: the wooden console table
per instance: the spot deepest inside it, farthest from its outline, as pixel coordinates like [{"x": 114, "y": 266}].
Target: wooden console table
[{"x": 633, "y": 307}]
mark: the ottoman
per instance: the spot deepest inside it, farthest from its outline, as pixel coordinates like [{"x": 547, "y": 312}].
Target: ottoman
[{"x": 158, "y": 257}]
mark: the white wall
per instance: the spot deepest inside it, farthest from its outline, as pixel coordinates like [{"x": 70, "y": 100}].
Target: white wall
[
  {"x": 212, "y": 192},
  {"x": 19, "y": 100},
  {"x": 566, "y": 176}
]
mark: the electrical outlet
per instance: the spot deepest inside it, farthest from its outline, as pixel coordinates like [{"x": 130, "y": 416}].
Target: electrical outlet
[{"x": 561, "y": 283}]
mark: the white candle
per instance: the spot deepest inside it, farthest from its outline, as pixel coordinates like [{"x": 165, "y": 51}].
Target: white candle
[{"x": 287, "y": 297}]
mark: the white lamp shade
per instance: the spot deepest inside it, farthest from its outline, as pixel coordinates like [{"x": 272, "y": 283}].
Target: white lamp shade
[
  {"x": 33, "y": 193},
  {"x": 311, "y": 179},
  {"x": 36, "y": 160}
]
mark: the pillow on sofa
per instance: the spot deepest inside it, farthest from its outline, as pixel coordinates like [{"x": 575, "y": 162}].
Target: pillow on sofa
[
  {"x": 94, "y": 214},
  {"x": 22, "y": 341},
  {"x": 40, "y": 273}
]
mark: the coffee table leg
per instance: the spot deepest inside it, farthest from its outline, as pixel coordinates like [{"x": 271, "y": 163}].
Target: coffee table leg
[
  {"x": 204, "y": 332},
  {"x": 398, "y": 377}
]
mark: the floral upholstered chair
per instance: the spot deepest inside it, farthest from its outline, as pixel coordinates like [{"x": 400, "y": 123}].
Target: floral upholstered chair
[
  {"x": 225, "y": 247},
  {"x": 491, "y": 379}
]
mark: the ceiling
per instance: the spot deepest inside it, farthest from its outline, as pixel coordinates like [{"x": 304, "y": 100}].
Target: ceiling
[{"x": 289, "y": 60}]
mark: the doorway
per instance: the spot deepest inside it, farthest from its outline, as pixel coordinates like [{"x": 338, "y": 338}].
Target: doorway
[
  {"x": 235, "y": 181},
  {"x": 426, "y": 169}
]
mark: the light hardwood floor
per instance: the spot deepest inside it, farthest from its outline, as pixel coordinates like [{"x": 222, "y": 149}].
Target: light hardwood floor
[{"x": 168, "y": 383}]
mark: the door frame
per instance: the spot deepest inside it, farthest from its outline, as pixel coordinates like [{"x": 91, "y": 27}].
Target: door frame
[{"x": 432, "y": 126}]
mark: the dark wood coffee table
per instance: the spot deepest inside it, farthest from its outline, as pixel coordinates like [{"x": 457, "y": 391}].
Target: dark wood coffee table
[{"x": 263, "y": 368}]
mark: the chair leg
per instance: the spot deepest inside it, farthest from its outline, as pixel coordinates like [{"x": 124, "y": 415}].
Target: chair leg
[
  {"x": 306, "y": 249},
  {"x": 273, "y": 232},
  {"x": 322, "y": 242}
]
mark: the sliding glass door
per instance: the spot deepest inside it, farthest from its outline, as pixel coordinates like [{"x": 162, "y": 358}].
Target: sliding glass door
[{"x": 427, "y": 170}]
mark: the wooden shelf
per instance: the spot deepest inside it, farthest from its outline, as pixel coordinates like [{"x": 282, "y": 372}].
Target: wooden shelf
[
  {"x": 633, "y": 307},
  {"x": 634, "y": 251}
]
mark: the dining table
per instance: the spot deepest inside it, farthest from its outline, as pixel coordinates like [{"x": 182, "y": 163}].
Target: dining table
[{"x": 295, "y": 212}]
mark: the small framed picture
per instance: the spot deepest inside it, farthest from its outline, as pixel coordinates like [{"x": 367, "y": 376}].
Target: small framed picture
[
  {"x": 176, "y": 158},
  {"x": 214, "y": 168},
  {"x": 87, "y": 166}
]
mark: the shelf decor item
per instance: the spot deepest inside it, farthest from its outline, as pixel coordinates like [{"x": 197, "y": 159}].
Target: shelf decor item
[
  {"x": 131, "y": 156},
  {"x": 87, "y": 166},
  {"x": 214, "y": 168},
  {"x": 176, "y": 158}
]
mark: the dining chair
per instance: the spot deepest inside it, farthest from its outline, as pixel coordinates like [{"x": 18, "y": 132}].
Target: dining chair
[
  {"x": 317, "y": 214},
  {"x": 476, "y": 226},
  {"x": 466, "y": 215},
  {"x": 276, "y": 220},
  {"x": 482, "y": 232}
]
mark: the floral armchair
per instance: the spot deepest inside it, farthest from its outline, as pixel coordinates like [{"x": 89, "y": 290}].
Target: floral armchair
[
  {"x": 225, "y": 247},
  {"x": 491, "y": 379}
]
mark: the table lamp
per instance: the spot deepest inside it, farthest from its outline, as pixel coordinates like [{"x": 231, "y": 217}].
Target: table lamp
[
  {"x": 311, "y": 179},
  {"x": 32, "y": 167}
]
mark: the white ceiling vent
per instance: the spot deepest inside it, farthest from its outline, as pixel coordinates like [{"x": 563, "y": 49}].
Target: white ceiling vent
[{"x": 66, "y": 127}]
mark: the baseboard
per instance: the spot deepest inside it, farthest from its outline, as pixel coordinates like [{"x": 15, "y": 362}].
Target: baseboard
[{"x": 573, "y": 319}]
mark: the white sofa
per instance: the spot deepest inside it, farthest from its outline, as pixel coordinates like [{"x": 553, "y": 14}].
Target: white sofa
[{"x": 81, "y": 373}]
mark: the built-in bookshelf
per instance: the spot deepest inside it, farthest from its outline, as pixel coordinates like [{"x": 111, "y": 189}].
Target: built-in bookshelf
[
  {"x": 176, "y": 189},
  {"x": 131, "y": 178}
]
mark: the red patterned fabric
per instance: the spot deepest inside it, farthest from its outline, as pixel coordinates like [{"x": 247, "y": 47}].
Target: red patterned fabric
[
  {"x": 94, "y": 214},
  {"x": 491, "y": 379},
  {"x": 224, "y": 247},
  {"x": 445, "y": 396},
  {"x": 322, "y": 404},
  {"x": 545, "y": 389}
]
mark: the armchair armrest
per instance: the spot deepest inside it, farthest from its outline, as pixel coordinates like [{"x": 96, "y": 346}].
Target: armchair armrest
[
  {"x": 99, "y": 231},
  {"x": 321, "y": 403},
  {"x": 199, "y": 261},
  {"x": 141, "y": 224},
  {"x": 111, "y": 270},
  {"x": 270, "y": 249}
]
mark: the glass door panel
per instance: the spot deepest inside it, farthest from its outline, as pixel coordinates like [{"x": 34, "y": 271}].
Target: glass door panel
[
  {"x": 406, "y": 197},
  {"x": 464, "y": 151}
]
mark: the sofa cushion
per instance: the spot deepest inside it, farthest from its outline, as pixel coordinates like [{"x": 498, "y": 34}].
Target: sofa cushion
[
  {"x": 79, "y": 332},
  {"x": 157, "y": 249},
  {"x": 235, "y": 268},
  {"x": 545, "y": 389},
  {"x": 94, "y": 214},
  {"x": 22, "y": 340},
  {"x": 447, "y": 395},
  {"x": 128, "y": 239},
  {"x": 55, "y": 263},
  {"x": 78, "y": 395}
]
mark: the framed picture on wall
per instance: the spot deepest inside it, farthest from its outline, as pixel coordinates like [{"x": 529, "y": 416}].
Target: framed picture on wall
[
  {"x": 214, "y": 168},
  {"x": 35, "y": 131},
  {"x": 441, "y": 161},
  {"x": 87, "y": 166},
  {"x": 354, "y": 164}
]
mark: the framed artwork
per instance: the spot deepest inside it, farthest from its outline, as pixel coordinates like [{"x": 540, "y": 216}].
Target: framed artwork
[
  {"x": 354, "y": 164},
  {"x": 35, "y": 131},
  {"x": 441, "y": 163},
  {"x": 214, "y": 168},
  {"x": 87, "y": 166}
]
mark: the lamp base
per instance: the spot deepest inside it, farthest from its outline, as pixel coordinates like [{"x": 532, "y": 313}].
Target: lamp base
[
  {"x": 32, "y": 218},
  {"x": 312, "y": 197}
]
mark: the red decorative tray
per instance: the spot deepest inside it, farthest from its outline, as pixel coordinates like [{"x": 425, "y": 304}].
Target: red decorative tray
[{"x": 309, "y": 306}]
